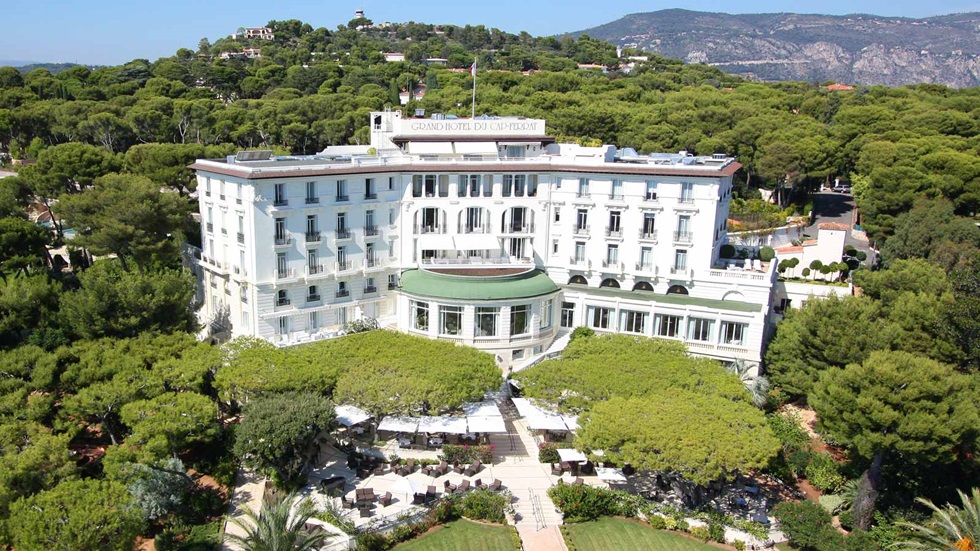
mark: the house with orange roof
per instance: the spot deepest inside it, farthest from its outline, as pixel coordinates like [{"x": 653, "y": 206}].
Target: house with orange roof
[{"x": 838, "y": 87}]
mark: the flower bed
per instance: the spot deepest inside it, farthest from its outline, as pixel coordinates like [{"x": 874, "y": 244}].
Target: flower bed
[{"x": 453, "y": 453}]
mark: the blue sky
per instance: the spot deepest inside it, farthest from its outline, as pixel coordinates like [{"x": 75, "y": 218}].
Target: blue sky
[{"x": 115, "y": 31}]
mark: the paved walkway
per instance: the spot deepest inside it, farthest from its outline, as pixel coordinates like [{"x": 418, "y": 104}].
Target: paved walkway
[{"x": 248, "y": 493}]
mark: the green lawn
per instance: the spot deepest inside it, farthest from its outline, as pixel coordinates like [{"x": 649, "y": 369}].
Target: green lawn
[
  {"x": 623, "y": 535},
  {"x": 462, "y": 535}
]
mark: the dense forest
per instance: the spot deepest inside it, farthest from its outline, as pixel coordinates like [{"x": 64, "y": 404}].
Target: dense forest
[{"x": 104, "y": 358}]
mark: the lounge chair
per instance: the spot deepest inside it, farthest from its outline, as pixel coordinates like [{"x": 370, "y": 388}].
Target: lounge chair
[
  {"x": 385, "y": 500},
  {"x": 427, "y": 470},
  {"x": 410, "y": 465},
  {"x": 365, "y": 512},
  {"x": 379, "y": 470},
  {"x": 348, "y": 503},
  {"x": 479, "y": 484},
  {"x": 418, "y": 499},
  {"x": 473, "y": 469},
  {"x": 449, "y": 487},
  {"x": 430, "y": 494},
  {"x": 458, "y": 469},
  {"x": 495, "y": 485},
  {"x": 463, "y": 487},
  {"x": 403, "y": 471},
  {"x": 442, "y": 469}
]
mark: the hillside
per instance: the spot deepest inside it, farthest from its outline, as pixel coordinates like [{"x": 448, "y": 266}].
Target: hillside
[{"x": 858, "y": 48}]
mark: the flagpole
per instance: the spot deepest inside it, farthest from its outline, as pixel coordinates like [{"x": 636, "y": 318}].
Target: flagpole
[{"x": 473, "y": 104}]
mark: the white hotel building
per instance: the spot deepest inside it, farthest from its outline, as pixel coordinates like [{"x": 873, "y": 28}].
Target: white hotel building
[{"x": 483, "y": 232}]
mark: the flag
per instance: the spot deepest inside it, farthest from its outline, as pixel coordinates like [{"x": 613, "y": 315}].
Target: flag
[{"x": 473, "y": 69}]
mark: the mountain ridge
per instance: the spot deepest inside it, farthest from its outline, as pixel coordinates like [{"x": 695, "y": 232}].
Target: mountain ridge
[{"x": 854, "y": 48}]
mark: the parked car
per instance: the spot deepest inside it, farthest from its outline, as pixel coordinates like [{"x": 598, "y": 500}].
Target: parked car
[{"x": 842, "y": 188}]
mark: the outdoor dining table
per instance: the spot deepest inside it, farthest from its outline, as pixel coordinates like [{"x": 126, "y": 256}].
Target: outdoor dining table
[
  {"x": 357, "y": 430},
  {"x": 402, "y": 441},
  {"x": 435, "y": 441}
]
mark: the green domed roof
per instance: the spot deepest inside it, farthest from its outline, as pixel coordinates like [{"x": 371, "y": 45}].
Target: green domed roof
[{"x": 454, "y": 286}]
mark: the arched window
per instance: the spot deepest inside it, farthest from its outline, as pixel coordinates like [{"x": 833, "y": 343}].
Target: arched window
[
  {"x": 312, "y": 294},
  {"x": 609, "y": 282},
  {"x": 282, "y": 299},
  {"x": 577, "y": 280},
  {"x": 677, "y": 290},
  {"x": 642, "y": 286}
]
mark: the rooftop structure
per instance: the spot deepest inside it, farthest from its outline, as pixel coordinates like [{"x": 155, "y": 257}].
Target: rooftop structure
[{"x": 481, "y": 231}]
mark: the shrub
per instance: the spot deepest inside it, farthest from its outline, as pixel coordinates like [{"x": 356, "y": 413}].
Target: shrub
[
  {"x": 786, "y": 427},
  {"x": 682, "y": 525},
  {"x": 657, "y": 521},
  {"x": 806, "y": 272},
  {"x": 361, "y": 325},
  {"x": 373, "y": 541},
  {"x": 453, "y": 453},
  {"x": 798, "y": 461},
  {"x": 727, "y": 251},
  {"x": 803, "y": 522},
  {"x": 670, "y": 523},
  {"x": 832, "y": 503},
  {"x": 716, "y": 532},
  {"x": 445, "y": 510},
  {"x": 548, "y": 452},
  {"x": 701, "y": 533},
  {"x": 579, "y": 503},
  {"x": 581, "y": 332},
  {"x": 739, "y": 545},
  {"x": 484, "y": 505},
  {"x": 515, "y": 539},
  {"x": 823, "y": 472},
  {"x": 766, "y": 254}
]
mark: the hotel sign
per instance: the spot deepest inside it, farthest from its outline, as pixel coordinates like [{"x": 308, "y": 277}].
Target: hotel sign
[{"x": 499, "y": 127}]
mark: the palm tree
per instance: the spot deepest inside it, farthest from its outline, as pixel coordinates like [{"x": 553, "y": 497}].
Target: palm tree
[
  {"x": 277, "y": 527},
  {"x": 951, "y": 528},
  {"x": 757, "y": 385}
]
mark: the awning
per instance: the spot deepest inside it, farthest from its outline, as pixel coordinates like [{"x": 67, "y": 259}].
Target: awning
[
  {"x": 351, "y": 415},
  {"x": 407, "y": 486},
  {"x": 570, "y": 455},
  {"x": 430, "y": 148},
  {"x": 571, "y": 421},
  {"x": 610, "y": 475},
  {"x": 538, "y": 419},
  {"x": 451, "y": 425},
  {"x": 476, "y": 148},
  {"x": 481, "y": 409},
  {"x": 476, "y": 242},
  {"x": 399, "y": 424},
  {"x": 487, "y": 424},
  {"x": 436, "y": 242}
]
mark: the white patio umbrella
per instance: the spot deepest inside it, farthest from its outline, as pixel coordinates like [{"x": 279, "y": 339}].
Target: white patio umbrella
[{"x": 408, "y": 486}]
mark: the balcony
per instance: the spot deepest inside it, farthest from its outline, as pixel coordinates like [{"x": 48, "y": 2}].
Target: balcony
[
  {"x": 312, "y": 200},
  {"x": 343, "y": 293},
  {"x": 239, "y": 271},
  {"x": 612, "y": 264},
  {"x": 369, "y": 196},
  {"x": 342, "y": 233},
  {"x": 505, "y": 260},
  {"x": 474, "y": 228},
  {"x": 617, "y": 196},
  {"x": 283, "y": 240},
  {"x": 284, "y": 273},
  {"x": 282, "y": 302},
  {"x": 241, "y": 238},
  {"x": 313, "y": 298},
  {"x": 583, "y": 194},
  {"x": 314, "y": 269},
  {"x": 238, "y": 200},
  {"x": 346, "y": 266},
  {"x": 419, "y": 230},
  {"x": 342, "y": 198},
  {"x": 646, "y": 267},
  {"x": 614, "y": 232},
  {"x": 579, "y": 261},
  {"x": 519, "y": 228},
  {"x": 210, "y": 227},
  {"x": 683, "y": 237},
  {"x": 373, "y": 263},
  {"x": 207, "y": 193},
  {"x": 221, "y": 197},
  {"x": 370, "y": 231},
  {"x": 280, "y": 202},
  {"x": 224, "y": 231},
  {"x": 392, "y": 285},
  {"x": 678, "y": 270},
  {"x": 313, "y": 237},
  {"x": 369, "y": 289},
  {"x": 581, "y": 230},
  {"x": 686, "y": 200},
  {"x": 650, "y": 198},
  {"x": 648, "y": 235}
]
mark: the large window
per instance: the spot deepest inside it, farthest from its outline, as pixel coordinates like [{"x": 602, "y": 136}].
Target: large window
[
  {"x": 311, "y": 194},
  {"x": 651, "y": 193},
  {"x": 582, "y": 220},
  {"x": 450, "y": 320},
  {"x": 579, "y": 252},
  {"x": 583, "y": 187},
  {"x": 342, "y": 190},
  {"x": 699, "y": 329},
  {"x": 617, "y": 190},
  {"x": 687, "y": 192},
  {"x": 486, "y": 321},
  {"x": 519, "y": 319},
  {"x": 633, "y": 322},
  {"x": 680, "y": 260},
  {"x": 667, "y": 326},
  {"x": 568, "y": 314},
  {"x": 547, "y": 312},
  {"x": 420, "y": 315},
  {"x": 733, "y": 333},
  {"x": 599, "y": 317}
]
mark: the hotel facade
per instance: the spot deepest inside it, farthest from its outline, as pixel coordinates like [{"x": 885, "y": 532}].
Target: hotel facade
[{"x": 483, "y": 232}]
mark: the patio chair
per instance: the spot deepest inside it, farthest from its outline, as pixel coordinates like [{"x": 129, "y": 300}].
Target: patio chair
[
  {"x": 495, "y": 485},
  {"x": 365, "y": 512},
  {"x": 443, "y": 468},
  {"x": 463, "y": 487},
  {"x": 410, "y": 465},
  {"x": 430, "y": 494},
  {"x": 363, "y": 473},
  {"x": 473, "y": 469},
  {"x": 458, "y": 469},
  {"x": 449, "y": 487},
  {"x": 479, "y": 484},
  {"x": 385, "y": 500},
  {"x": 348, "y": 503},
  {"x": 418, "y": 499},
  {"x": 379, "y": 470},
  {"x": 556, "y": 470},
  {"x": 578, "y": 481},
  {"x": 403, "y": 471},
  {"x": 427, "y": 470}
]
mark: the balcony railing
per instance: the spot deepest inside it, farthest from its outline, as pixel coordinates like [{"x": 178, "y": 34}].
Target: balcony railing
[
  {"x": 368, "y": 196},
  {"x": 280, "y": 202},
  {"x": 210, "y": 227},
  {"x": 614, "y": 232},
  {"x": 314, "y": 269},
  {"x": 342, "y": 198},
  {"x": 283, "y": 240},
  {"x": 474, "y": 228},
  {"x": 285, "y": 273},
  {"x": 616, "y": 196},
  {"x": 241, "y": 237},
  {"x": 368, "y": 289},
  {"x": 346, "y": 266},
  {"x": 313, "y": 298},
  {"x": 650, "y": 197},
  {"x": 282, "y": 302},
  {"x": 343, "y": 293},
  {"x": 313, "y": 237},
  {"x": 576, "y": 261},
  {"x": 312, "y": 200},
  {"x": 686, "y": 199},
  {"x": 429, "y": 229},
  {"x": 683, "y": 237},
  {"x": 370, "y": 231},
  {"x": 581, "y": 230},
  {"x": 583, "y": 194},
  {"x": 612, "y": 263},
  {"x": 644, "y": 267},
  {"x": 678, "y": 269},
  {"x": 392, "y": 285},
  {"x": 649, "y": 235},
  {"x": 342, "y": 233},
  {"x": 372, "y": 262},
  {"x": 519, "y": 228},
  {"x": 477, "y": 260}
]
